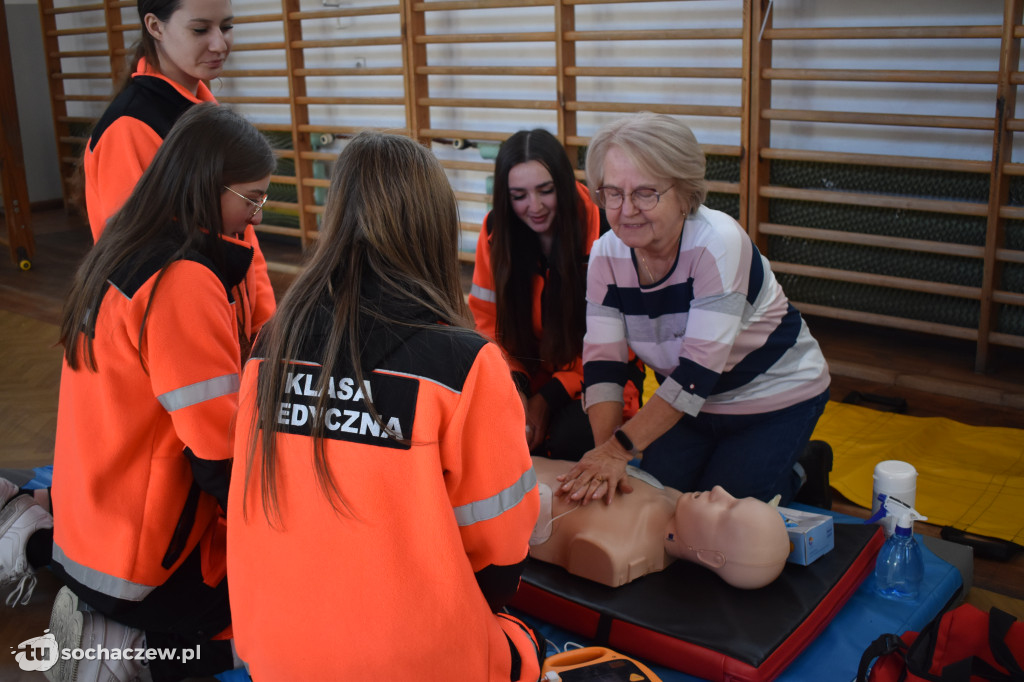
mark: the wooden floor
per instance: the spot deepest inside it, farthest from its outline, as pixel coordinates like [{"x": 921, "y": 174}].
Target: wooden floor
[{"x": 934, "y": 375}]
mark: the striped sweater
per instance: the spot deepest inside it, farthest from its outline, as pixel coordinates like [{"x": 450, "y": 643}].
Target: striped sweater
[{"x": 717, "y": 329}]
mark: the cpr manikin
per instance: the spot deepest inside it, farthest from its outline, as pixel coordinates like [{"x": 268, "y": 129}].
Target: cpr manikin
[{"x": 744, "y": 541}]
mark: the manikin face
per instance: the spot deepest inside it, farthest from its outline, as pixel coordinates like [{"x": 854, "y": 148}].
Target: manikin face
[
  {"x": 743, "y": 540},
  {"x": 237, "y": 211},
  {"x": 194, "y": 42},
  {"x": 656, "y": 230},
  {"x": 712, "y": 502},
  {"x": 703, "y": 516},
  {"x": 532, "y": 192}
]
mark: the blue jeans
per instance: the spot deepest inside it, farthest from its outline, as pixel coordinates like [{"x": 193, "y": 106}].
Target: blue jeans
[{"x": 750, "y": 455}]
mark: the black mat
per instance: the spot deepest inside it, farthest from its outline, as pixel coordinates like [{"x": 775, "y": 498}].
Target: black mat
[{"x": 689, "y": 603}]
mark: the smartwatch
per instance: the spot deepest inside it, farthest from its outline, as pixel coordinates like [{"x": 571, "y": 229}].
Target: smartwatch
[{"x": 626, "y": 443}]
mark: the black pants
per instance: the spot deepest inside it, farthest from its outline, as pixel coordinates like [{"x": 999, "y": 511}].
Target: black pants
[
  {"x": 569, "y": 434},
  {"x": 182, "y": 613}
]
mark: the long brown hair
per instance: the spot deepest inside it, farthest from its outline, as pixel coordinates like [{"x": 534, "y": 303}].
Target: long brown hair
[
  {"x": 389, "y": 232},
  {"x": 176, "y": 202},
  {"x": 516, "y": 255},
  {"x": 146, "y": 44}
]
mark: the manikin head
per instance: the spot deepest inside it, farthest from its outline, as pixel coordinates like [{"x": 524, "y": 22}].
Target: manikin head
[{"x": 742, "y": 540}]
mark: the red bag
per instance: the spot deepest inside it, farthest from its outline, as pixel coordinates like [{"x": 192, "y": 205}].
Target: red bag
[{"x": 964, "y": 644}]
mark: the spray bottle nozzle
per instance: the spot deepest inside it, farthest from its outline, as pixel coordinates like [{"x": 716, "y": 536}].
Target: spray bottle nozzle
[{"x": 893, "y": 506}]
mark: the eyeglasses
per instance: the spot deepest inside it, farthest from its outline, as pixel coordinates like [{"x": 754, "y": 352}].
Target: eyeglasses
[
  {"x": 257, "y": 205},
  {"x": 643, "y": 199}
]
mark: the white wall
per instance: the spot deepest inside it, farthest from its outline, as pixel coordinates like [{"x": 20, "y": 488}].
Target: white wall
[
  {"x": 894, "y": 98},
  {"x": 939, "y": 99},
  {"x": 31, "y": 89}
]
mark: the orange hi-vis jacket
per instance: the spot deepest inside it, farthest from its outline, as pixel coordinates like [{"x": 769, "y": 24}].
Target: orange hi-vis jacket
[
  {"x": 126, "y": 137},
  {"x": 123, "y": 143},
  {"x": 127, "y": 506},
  {"x": 404, "y": 585},
  {"x": 483, "y": 304}
]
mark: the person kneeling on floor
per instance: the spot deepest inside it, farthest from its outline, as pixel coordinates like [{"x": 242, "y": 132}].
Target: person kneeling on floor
[
  {"x": 154, "y": 332},
  {"x": 383, "y": 496}
]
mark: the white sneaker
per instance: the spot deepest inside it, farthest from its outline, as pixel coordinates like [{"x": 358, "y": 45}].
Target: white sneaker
[
  {"x": 66, "y": 627},
  {"x": 92, "y": 631},
  {"x": 7, "y": 491},
  {"x": 19, "y": 519}
]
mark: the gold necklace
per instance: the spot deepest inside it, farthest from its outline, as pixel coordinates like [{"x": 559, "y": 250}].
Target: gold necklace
[{"x": 643, "y": 261}]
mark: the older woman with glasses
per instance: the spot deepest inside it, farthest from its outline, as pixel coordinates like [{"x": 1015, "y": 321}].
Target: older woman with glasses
[{"x": 742, "y": 381}]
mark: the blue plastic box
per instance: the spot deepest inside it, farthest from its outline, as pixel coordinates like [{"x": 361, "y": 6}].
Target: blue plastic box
[{"x": 810, "y": 535}]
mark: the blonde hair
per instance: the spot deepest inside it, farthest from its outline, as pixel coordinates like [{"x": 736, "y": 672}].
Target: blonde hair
[{"x": 660, "y": 146}]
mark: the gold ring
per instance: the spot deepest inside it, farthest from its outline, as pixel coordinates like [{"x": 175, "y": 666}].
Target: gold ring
[{"x": 599, "y": 479}]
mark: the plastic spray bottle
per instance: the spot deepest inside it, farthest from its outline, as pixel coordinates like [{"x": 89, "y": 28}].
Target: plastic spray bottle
[{"x": 900, "y": 566}]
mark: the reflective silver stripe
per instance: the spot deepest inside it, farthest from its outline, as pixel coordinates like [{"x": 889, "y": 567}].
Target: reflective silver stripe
[
  {"x": 483, "y": 510},
  {"x": 198, "y": 392},
  {"x": 118, "y": 290},
  {"x": 418, "y": 377},
  {"x": 483, "y": 294},
  {"x": 101, "y": 582}
]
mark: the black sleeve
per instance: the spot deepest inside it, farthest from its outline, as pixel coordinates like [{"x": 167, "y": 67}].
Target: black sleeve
[
  {"x": 499, "y": 583},
  {"x": 555, "y": 395},
  {"x": 522, "y": 382},
  {"x": 212, "y": 476}
]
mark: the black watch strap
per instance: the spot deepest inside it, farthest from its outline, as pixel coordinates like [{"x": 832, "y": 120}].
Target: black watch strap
[{"x": 625, "y": 442}]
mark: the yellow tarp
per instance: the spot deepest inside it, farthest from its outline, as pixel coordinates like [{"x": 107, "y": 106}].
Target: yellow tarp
[{"x": 969, "y": 477}]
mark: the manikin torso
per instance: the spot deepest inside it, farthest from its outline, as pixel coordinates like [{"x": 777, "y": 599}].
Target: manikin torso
[
  {"x": 609, "y": 544},
  {"x": 742, "y": 540}
]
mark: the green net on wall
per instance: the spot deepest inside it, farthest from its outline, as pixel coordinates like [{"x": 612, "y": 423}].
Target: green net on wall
[{"x": 893, "y": 222}]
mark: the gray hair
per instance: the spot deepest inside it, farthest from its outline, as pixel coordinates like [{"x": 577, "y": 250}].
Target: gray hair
[{"x": 660, "y": 146}]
